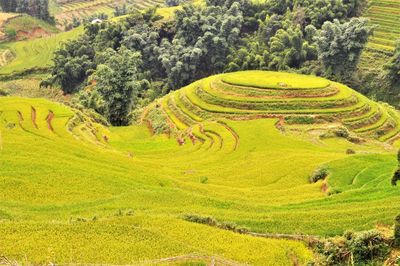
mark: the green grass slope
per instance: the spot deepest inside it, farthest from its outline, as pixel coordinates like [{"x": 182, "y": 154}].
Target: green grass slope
[
  {"x": 36, "y": 53},
  {"x": 74, "y": 191},
  {"x": 25, "y": 26}
]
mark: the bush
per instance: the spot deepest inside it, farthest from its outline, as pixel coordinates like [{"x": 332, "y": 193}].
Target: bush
[
  {"x": 300, "y": 120},
  {"x": 174, "y": 2},
  {"x": 362, "y": 248},
  {"x": 11, "y": 33},
  {"x": 396, "y": 177},
  {"x": 158, "y": 121},
  {"x": 397, "y": 232},
  {"x": 319, "y": 174},
  {"x": 341, "y": 133},
  {"x": 212, "y": 222},
  {"x": 3, "y": 92},
  {"x": 200, "y": 219},
  {"x": 368, "y": 246},
  {"x": 204, "y": 180}
]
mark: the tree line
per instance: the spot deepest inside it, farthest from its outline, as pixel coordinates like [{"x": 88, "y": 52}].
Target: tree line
[{"x": 35, "y": 8}]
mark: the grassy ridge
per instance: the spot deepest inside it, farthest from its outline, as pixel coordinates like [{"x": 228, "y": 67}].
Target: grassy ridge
[
  {"x": 261, "y": 93},
  {"x": 35, "y": 53}
]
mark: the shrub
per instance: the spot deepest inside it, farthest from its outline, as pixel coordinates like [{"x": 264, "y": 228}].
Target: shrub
[
  {"x": 397, "y": 231},
  {"x": 200, "y": 219},
  {"x": 319, "y": 174},
  {"x": 204, "y": 180},
  {"x": 11, "y": 33},
  {"x": 300, "y": 120},
  {"x": 398, "y": 156},
  {"x": 341, "y": 132},
  {"x": 396, "y": 177},
  {"x": 368, "y": 246},
  {"x": 158, "y": 122},
  {"x": 174, "y": 2},
  {"x": 212, "y": 222},
  {"x": 362, "y": 248},
  {"x": 3, "y": 92}
]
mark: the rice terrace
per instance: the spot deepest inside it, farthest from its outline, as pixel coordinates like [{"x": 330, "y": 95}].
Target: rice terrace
[{"x": 206, "y": 132}]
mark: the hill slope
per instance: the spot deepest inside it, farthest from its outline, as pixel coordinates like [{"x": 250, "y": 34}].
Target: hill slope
[
  {"x": 295, "y": 99},
  {"x": 76, "y": 191},
  {"x": 385, "y": 14}
]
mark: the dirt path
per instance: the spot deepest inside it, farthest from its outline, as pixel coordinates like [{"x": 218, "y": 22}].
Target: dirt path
[
  {"x": 33, "y": 117},
  {"x": 33, "y": 34},
  {"x": 49, "y": 118},
  {"x": 234, "y": 134},
  {"x": 210, "y": 260}
]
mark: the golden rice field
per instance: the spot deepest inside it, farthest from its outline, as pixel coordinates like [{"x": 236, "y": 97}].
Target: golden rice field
[{"x": 241, "y": 148}]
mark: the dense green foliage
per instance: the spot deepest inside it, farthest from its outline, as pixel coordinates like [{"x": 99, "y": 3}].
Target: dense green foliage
[
  {"x": 397, "y": 231},
  {"x": 340, "y": 46},
  {"x": 396, "y": 175},
  {"x": 72, "y": 64},
  {"x": 362, "y": 248},
  {"x": 393, "y": 67},
  {"x": 36, "y": 8},
  {"x": 116, "y": 83}
]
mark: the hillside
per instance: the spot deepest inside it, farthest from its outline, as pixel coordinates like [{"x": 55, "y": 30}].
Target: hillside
[
  {"x": 294, "y": 99},
  {"x": 81, "y": 9},
  {"x": 36, "y": 54},
  {"x": 385, "y": 14},
  {"x": 241, "y": 148},
  {"x": 35, "y": 50}
]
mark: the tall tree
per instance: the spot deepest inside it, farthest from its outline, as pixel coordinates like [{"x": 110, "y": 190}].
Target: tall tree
[
  {"x": 393, "y": 67},
  {"x": 288, "y": 49},
  {"x": 116, "y": 82},
  {"x": 340, "y": 46}
]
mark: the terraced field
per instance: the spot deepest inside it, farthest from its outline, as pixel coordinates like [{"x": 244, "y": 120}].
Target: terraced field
[
  {"x": 82, "y": 9},
  {"x": 239, "y": 150},
  {"x": 34, "y": 54},
  {"x": 386, "y": 15},
  {"x": 314, "y": 100}
]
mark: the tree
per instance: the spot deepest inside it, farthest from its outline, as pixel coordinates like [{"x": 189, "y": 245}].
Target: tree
[
  {"x": 397, "y": 231},
  {"x": 340, "y": 45},
  {"x": 117, "y": 85},
  {"x": 396, "y": 175},
  {"x": 36, "y": 8},
  {"x": 144, "y": 39},
  {"x": 202, "y": 43},
  {"x": 288, "y": 49},
  {"x": 269, "y": 27},
  {"x": 174, "y": 2},
  {"x": 393, "y": 67},
  {"x": 73, "y": 62}
]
